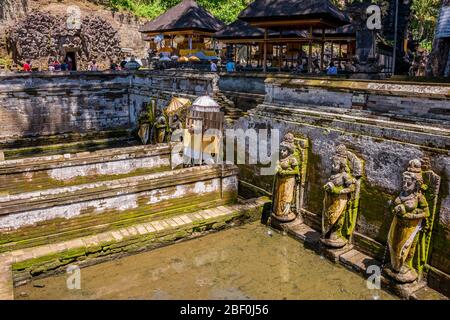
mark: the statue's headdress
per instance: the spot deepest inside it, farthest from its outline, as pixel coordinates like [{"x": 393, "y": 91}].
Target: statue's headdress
[
  {"x": 414, "y": 171},
  {"x": 288, "y": 142},
  {"x": 341, "y": 154}
]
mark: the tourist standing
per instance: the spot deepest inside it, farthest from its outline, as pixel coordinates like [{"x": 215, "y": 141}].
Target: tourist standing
[
  {"x": 56, "y": 65},
  {"x": 27, "y": 66},
  {"x": 114, "y": 66},
  {"x": 230, "y": 66},
  {"x": 332, "y": 70},
  {"x": 213, "y": 66},
  {"x": 69, "y": 63},
  {"x": 93, "y": 66},
  {"x": 123, "y": 63}
]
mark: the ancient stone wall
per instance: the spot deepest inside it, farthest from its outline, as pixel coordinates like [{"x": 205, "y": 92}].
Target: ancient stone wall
[
  {"x": 125, "y": 24},
  {"x": 45, "y": 104},
  {"x": 42, "y": 37},
  {"x": 394, "y": 100},
  {"x": 386, "y": 125}
]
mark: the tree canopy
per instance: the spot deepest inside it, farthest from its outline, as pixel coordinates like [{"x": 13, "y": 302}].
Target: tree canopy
[{"x": 423, "y": 17}]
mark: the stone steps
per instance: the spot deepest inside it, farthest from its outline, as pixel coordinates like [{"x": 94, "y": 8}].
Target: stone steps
[
  {"x": 28, "y": 218},
  {"x": 357, "y": 261},
  {"x": 231, "y": 112},
  {"x": 65, "y": 143},
  {"x": 22, "y": 265},
  {"x": 47, "y": 172}
]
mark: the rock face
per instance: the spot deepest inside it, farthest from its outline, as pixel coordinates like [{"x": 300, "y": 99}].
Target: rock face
[
  {"x": 41, "y": 36},
  {"x": 13, "y": 12}
]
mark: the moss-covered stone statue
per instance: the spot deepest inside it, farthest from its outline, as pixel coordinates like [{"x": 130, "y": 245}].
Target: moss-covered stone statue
[
  {"x": 341, "y": 201},
  {"x": 410, "y": 232},
  {"x": 145, "y": 123},
  {"x": 286, "y": 181},
  {"x": 160, "y": 127}
]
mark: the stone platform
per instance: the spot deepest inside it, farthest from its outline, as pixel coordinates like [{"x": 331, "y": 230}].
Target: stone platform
[
  {"x": 355, "y": 260},
  {"x": 19, "y": 266},
  {"x": 89, "y": 200},
  {"x": 57, "y": 196}
]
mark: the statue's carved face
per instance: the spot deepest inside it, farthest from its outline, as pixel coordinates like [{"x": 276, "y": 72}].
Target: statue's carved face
[
  {"x": 284, "y": 152},
  {"x": 409, "y": 184},
  {"x": 336, "y": 165}
]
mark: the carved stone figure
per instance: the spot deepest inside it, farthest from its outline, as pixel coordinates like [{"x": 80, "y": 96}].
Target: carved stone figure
[
  {"x": 176, "y": 124},
  {"x": 286, "y": 181},
  {"x": 160, "y": 127},
  {"x": 341, "y": 201},
  {"x": 144, "y": 126},
  {"x": 414, "y": 210}
]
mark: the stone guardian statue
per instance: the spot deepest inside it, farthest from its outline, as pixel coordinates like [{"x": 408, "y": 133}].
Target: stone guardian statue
[
  {"x": 414, "y": 210},
  {"x": 341, "y": 201},
  {"x": 286, "y": 181}
]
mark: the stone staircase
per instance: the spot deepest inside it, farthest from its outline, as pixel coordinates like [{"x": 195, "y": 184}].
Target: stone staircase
[
  {"x": 54, "y": 191},
  {"x": 231, "y": 112}
]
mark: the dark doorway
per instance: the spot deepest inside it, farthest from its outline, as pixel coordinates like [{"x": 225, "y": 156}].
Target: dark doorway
[{"x": 71, "y": 61}]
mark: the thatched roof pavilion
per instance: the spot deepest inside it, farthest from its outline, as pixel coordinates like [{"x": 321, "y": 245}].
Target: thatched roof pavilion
[
  {"x": 187, "y": 24},
  {"x": 298, "y": 13},
  {"x": 186, "y": 17},
  {"x": 242, "y": 32},
  {"x": 294, "y": 14}
]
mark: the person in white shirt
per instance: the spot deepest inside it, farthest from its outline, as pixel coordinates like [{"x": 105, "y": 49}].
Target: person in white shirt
[
  {"x": 93, "y": 66},
  {"x": 213, "y": 66}
]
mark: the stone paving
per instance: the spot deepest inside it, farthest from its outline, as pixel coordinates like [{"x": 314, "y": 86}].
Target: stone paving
[
  {"x": 358, "y": 262},
  {"x": 10, "y": 258}
]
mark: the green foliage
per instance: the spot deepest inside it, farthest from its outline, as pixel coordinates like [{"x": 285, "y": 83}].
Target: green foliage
[
  {"x": 6, "y": 61},
  {"x": 423, "y": 12},
  {"x": 225, "y": 10},
  {"x": 423, "y": 21}
]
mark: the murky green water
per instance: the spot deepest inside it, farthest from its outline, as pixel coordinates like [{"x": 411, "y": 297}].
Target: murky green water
[{"x": 240, "y": 263}]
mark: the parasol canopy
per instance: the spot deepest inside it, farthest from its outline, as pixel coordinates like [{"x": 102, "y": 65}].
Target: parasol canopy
[
  {"x": 183, "y": 59},
  {"x": 165, "y": 59},
  {"x": 177, "y": 104},
  {"x": 194, "y": 59},
  {"x": 202, "y": 56},
  {"x": 205, "y": 104}
]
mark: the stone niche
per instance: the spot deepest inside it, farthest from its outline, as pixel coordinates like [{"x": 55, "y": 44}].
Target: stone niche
[
  {"x": 41, "y": 36},
  {"x": 379, "y": 137}
]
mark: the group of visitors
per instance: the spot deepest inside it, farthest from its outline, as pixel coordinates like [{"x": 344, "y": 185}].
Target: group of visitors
[
  {"x": 66, "y": 65},
  {"x": 230, "y": 66}
]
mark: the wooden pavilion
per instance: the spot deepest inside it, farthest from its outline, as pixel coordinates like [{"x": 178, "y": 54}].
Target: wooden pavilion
[
  {"x": 241, "y": 34},
  {"x": 187, "y": 26},
  {"x": 279, "y": 15},
  {"x": 341, "y": 41}
]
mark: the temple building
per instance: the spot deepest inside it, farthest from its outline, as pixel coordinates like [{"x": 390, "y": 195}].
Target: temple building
[
  {"x": 287, "y": 15},
  {"x": 184, "y": 29}
]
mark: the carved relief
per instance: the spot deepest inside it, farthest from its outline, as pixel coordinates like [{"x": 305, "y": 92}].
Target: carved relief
[
  {"x": 414, "y": 212},
  {"x": 290, "y": 179},
  {"x": 341, "y": 201}
]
